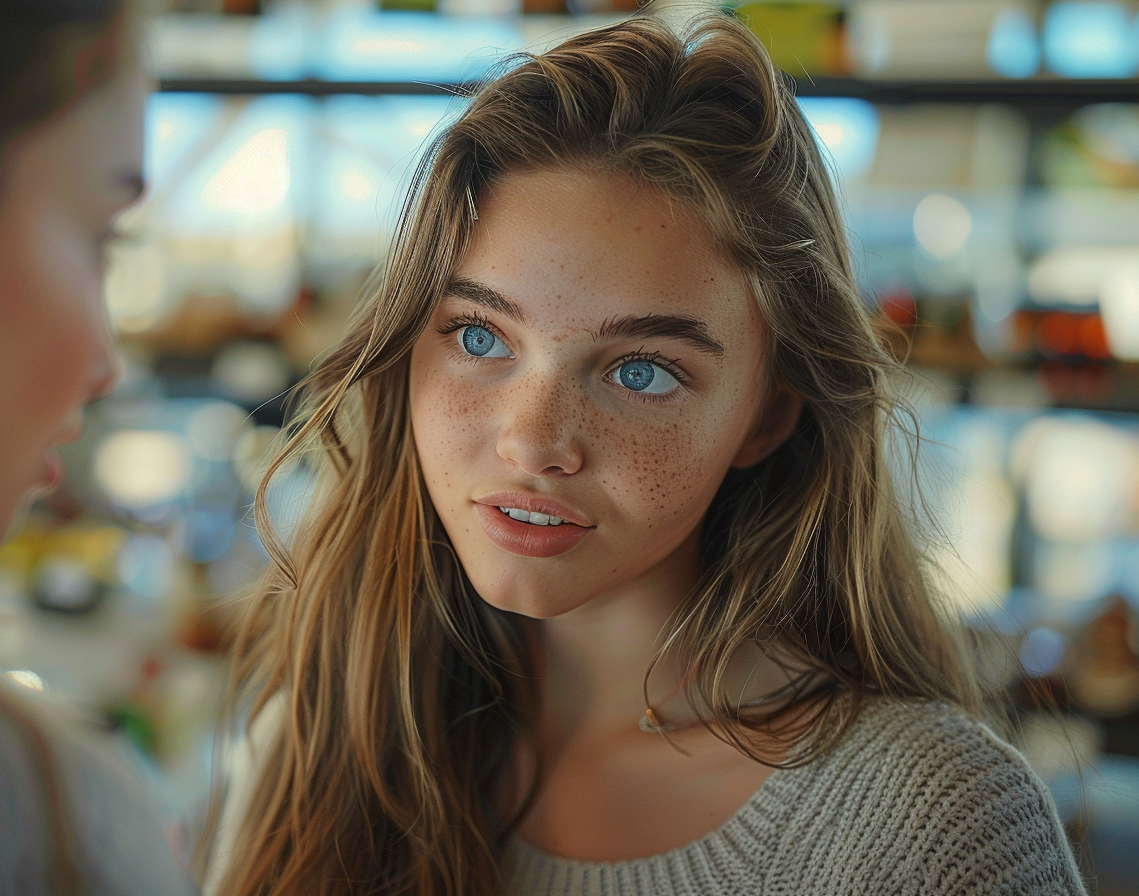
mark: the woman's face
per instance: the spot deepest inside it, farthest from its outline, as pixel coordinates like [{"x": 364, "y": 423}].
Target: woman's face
[
  {"x": 595, "y": 361},
  {"x": 61, "y": 184}
]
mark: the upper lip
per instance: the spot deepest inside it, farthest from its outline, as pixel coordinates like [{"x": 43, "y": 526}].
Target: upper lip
[{"x": 535, "y": 504}]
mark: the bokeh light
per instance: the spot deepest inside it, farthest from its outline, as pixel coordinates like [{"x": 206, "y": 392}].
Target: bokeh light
[
  {"x": 142, "y": 468},
  {"x": 27, "y": 679},
  {"x": 1013, "y": 49},
  {"x": 942, "y": 225},
  {"x": 1090, "y": 39}
]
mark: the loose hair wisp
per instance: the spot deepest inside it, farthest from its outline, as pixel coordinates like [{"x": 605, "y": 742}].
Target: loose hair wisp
[{"x": 404, "y": 691}]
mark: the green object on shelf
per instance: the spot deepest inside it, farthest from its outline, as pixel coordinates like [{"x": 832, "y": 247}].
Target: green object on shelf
[
  {"x": 137, "y": 725},
  {"x": 408, "y": 5},
  {"x": 802, "y": 38}
]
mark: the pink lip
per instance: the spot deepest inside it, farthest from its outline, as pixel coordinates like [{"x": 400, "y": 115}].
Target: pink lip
[
  {"x": 527, "y": 539},
  {"x": 534, "y": 504}
]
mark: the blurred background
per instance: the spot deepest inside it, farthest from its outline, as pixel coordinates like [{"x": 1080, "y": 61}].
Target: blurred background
[{"x": 988, "y": 156}]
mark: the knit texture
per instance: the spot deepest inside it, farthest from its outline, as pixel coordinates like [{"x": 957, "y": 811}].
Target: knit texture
[
  {"x": 917, "y": 798},
  {"x": 121, "y": 847}
]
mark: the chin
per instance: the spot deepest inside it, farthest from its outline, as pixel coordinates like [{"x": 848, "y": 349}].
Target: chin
[{"x": 532, "y": 602}]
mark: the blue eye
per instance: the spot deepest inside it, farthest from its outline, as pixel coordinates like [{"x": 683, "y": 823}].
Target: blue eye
[
  {"x": 479, "y": 342},
  {"x": 646, "y": 378}
]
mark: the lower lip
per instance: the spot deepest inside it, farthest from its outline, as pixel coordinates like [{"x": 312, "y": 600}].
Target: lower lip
[
  {"x": 51, "y": 473},
  {"x": 526, "y": 538}
]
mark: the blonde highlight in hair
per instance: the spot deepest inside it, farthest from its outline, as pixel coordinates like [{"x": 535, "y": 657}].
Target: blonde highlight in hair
[{"x": 405, "y": 692}]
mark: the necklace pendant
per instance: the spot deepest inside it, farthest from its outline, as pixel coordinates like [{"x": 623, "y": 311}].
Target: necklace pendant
[{"x": 650, "y": 724}]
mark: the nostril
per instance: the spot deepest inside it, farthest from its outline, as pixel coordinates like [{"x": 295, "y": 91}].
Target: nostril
[{"x": 107, "y": 376}]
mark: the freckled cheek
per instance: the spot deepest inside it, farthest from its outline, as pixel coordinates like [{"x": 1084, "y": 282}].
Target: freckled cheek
[
  {"x": 453, "y": 419},
  {"x": 660, "y": 473}
]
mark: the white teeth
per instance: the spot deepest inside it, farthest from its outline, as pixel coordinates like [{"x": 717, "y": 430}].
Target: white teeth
[{"x": 533, "y": 517}]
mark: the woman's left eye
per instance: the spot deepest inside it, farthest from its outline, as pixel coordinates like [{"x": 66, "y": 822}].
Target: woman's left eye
[
  {"x": 479, "y": 342},
  {"x": 645, "y": 377}
]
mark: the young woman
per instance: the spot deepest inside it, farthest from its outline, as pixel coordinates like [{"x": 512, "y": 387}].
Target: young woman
[
  {"x": 71, "y": 104},
  {"x": 606, "y": 588}
]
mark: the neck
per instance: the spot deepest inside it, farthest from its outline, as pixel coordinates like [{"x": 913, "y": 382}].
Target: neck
[{"x": 597, "y": 655}]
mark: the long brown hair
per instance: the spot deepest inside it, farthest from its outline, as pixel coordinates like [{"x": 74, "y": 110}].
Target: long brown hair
[{"x": 404, "y": 691}]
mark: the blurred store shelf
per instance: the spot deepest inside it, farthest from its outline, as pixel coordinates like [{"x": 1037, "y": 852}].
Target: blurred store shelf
[{"x": 1043, "y": 93}]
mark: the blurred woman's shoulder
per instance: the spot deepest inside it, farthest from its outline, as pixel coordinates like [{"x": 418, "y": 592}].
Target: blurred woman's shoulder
[{"x": 65, "y": 793}]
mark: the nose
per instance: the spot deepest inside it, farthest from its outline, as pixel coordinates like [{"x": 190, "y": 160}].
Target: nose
[
  {"x": 539, "y": 430},
  {"x": 106, "y": 368}
]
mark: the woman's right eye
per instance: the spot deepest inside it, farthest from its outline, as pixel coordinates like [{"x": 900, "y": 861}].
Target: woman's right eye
[{"x": 479, "y": 342}]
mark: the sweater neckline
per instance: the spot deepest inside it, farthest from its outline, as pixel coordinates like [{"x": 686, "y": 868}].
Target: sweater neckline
[
  {"x": 766, "y": 802},
  {"x": 773, "y": 798}
]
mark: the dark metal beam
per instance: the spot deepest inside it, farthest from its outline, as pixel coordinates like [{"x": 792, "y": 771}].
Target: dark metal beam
[{"x": 1037, "y": 92}]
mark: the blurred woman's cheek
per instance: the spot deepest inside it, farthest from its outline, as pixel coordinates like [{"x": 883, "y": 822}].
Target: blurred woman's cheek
[{"x": 54, "y": 345}]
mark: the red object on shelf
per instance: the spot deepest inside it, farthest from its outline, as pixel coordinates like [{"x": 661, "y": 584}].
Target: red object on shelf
[
  {"x": 1064, "y": 383},
  {"x": 1093, "y": 338},
  {"x": 899, "y": 307},
  {"x": 1057, "y": 335},
  {"x": 1064, "y": 335}
]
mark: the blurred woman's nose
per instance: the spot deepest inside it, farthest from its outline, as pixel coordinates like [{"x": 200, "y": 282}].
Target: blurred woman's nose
[
  {"x": 106, "y": 368},
  {"x": 539, "y": 430}
]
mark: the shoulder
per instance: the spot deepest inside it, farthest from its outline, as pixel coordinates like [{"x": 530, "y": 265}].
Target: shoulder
[
  {"x": 24, "y": 820},
  {"x": 119, "y": 837},
  {"x": 243, "y": 765},
  {"x": 938, "y": 803}
]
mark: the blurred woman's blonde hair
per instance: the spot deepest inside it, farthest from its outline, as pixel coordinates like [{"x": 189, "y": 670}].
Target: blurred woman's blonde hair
[{"x": 405, "y": 692}]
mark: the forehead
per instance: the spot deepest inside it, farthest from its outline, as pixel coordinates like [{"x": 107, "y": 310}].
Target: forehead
[{"x": 588, "y": 245}]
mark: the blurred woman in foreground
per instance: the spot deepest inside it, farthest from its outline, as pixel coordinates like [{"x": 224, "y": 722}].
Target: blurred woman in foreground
[{"x": 71, "y": 109}]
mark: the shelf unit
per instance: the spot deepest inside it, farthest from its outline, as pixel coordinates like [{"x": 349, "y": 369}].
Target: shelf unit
[{"x": 1038, "y": 93}]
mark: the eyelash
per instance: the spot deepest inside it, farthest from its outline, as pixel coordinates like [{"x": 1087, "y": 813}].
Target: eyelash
[
  {"x": 669, "y": 365},
  {"x": 466, "y": 320}
]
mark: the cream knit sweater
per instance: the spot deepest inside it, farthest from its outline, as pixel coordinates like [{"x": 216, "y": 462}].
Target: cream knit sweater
[{"x": 918, "y": 798}]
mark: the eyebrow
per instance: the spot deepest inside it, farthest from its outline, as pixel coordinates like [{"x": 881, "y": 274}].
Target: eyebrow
[
  {"x": 481, "y": 294},
  {"x": 672, "y": 326}
]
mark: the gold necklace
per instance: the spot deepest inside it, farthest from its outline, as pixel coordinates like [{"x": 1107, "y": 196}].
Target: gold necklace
[{"x": 650, "y": 722}]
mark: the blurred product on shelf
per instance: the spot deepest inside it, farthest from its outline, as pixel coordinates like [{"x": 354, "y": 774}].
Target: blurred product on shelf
[
  {"x": 803, "y": 38},
  {"x": 1104, "y": 676},
  {"x": 950, "y": 39}
]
